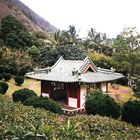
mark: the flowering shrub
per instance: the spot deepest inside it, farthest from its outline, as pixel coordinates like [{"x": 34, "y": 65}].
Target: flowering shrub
[{"x": 24, "y": 122}]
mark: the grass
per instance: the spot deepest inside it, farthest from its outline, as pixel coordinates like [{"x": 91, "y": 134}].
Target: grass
[
  {"x": 28, "y": 83},
  {"x": 122, "y": 94}
]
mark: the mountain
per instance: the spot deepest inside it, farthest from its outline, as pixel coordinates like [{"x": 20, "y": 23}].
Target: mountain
[{"x": 32, "y": 21}]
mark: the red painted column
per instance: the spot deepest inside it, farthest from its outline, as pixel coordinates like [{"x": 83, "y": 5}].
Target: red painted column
[
  {"x": 107, "y": 87},
  {"x": 78, "y": 96},
  {"x": 68, "y": 93}
]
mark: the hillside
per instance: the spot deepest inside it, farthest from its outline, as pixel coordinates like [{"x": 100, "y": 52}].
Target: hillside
[
  {"x": 25, "y": 15},
  {"x": 22, "y": 122}
]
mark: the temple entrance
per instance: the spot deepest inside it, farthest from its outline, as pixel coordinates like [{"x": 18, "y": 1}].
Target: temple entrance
[{"x": 58, "y": 92}]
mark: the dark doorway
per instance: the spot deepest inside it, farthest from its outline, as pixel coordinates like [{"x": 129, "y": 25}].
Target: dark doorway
[{"x": 59, "y": 91}]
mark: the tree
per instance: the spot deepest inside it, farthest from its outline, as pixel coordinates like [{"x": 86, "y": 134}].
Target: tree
[
  {"x": 127, "y": 53},
  {"x": 9, "y": 24},
  {"x": 16, "y": 35},
  {"x": 34, "y": 53},
  {"x": 49, "y": 55},
  {"x": 65, "y": 37},
  {"x": 101, "y": 60},
  {"x": 98, "y": 42}
]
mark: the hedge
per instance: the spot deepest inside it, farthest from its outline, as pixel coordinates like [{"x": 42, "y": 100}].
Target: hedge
[
  {"x": 102, "y": 104},
  {"x": 4, "y": 86},
  {"x": 19, "y": 80},
  {"x": 131, "y": 112},
  {"x": 22, "y": 94},
  {"x": 44, "y": 102}
]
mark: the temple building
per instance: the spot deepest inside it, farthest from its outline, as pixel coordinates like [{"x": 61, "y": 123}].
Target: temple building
[{"x": 70, "y": 80}]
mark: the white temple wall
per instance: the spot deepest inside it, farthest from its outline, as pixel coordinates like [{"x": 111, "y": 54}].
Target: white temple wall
[
  {"x": 72, "y": 102},
  {"x": 103, "y": 86},
  {"x": 83, "y": 89}
]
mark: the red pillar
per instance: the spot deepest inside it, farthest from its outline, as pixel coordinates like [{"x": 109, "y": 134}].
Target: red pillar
[
  {"x": 107, "y": 87},
  {"x": 78, "y": 96},
  {"x": 68, "y": 93}
]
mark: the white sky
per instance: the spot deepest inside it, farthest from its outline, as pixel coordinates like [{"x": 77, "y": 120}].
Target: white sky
[{"x": 106, "y": 16}]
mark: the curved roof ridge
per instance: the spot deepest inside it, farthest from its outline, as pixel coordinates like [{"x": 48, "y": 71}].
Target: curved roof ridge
[{"x": 58, "y": 61}]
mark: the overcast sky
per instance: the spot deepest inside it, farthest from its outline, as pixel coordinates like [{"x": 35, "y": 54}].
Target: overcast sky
[{"x": 106, "y": 16}]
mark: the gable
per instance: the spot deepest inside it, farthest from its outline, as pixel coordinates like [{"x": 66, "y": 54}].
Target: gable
[{"x": 88, "y": 66}]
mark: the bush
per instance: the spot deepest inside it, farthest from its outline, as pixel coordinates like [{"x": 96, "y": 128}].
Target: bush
[
  {"x": 19, "y": 80},
  {"x": 22, "y": 95},
  {"x": 123, "y": 81},
  {"x": 44, "y": 102},
  {"x": 104, "y": 105},
  {"x": 1, "y": 90},
  {"x": 2, "y": 69},
  {"x": 4, "y": 86},
  {"x": 1, "y": 76},
  {"x": 7, "y": 76},
  {"x": 131, "y": 112}
]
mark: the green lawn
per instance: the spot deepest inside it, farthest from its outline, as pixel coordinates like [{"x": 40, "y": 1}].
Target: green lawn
[{"x": 28, "y": 83}]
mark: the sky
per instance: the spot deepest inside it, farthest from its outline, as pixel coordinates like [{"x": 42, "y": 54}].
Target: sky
[{"x": 106, "y": 16}]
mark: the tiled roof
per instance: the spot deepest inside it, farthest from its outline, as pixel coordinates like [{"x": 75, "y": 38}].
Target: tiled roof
[{"x": 72, "y": 71}]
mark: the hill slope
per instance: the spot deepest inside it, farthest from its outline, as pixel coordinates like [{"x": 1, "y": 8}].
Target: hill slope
[
  {"x": 25, "y": 15},
  {"x": 20, "y": 121}
]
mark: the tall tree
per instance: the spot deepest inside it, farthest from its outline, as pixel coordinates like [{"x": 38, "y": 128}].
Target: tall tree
[
  {"x": 98, "y": 42},
  {"x": 127, "y": 53}
]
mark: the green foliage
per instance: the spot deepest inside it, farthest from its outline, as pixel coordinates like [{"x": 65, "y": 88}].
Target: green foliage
[
  {"x": 41, "y": 35},
  {"x": 14, "y": 61},
  {"x": 18, "y": 121},
  {"x": 98, "y": 42},
  {"x": 43, "y": 102},
  {"x": 4, "y": 86},
  {"x": 9, "y": 24},
  {"x": 127, "y": 55},
  {"x": 2, "y": 68},
  {"x": 19, "y": 80},
  {"x": 1, "y": 90},
  {"x": 15, "y": 34},
  {"x": 33, "y": 51},
  {"x": 99, "y": 103},
  {"x": 1, "y": 76},
  {"x": 22, "y": 95},
  {"x": 7, "y": 76},
  {"x": 101, "y": 60},
  {"x": 131, "y": 112},
  {"x": 49, "y": 55},
  {"x": 123, "y": 81}
]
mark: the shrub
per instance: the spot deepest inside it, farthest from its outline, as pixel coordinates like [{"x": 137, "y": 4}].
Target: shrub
[
  {"x": 102, "y": 104},
  {"x": 4, "y": 86},
  {"x": 2, "y": 69},
  {"x": 1, "y": 90},
  {"x": 22, "y": 95},
  {"x": 1, "y": 76},
  {"x": 19, "y": 80},
  {"x": 7, "y": 76},
  {"x": 123, "y": 81},
  {"x": 44, "y": 102},
  {"x": 131, "y": 112}
]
